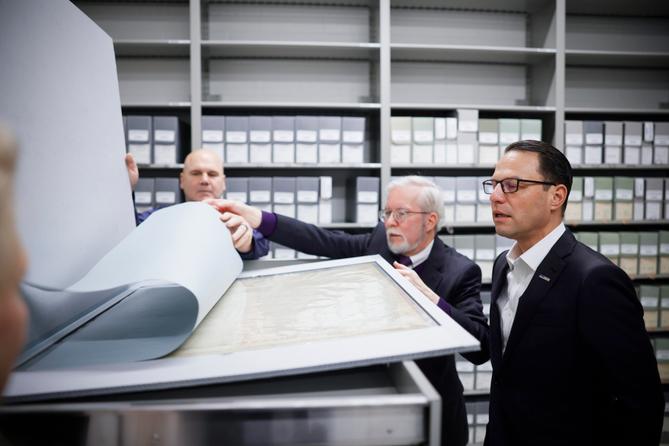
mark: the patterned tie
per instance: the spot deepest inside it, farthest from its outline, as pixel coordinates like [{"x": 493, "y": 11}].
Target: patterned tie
[{"x": 404, "y": 260}]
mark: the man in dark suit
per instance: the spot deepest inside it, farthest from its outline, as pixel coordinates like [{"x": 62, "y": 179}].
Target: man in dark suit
[
  {"x": 572, "y": 363},
  {"x": 407, "y": 235}
]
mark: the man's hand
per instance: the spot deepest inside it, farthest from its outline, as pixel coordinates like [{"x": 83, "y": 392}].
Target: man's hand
[
  {"x": 133, "y": 171},
  {"x": 416, "y": 281},
  {"x": 242, "y": 234},
  {"x": 253, "y": 216}
]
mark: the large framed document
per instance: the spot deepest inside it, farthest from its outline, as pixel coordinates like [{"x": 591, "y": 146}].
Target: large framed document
[{"x": 200, "y": 322}]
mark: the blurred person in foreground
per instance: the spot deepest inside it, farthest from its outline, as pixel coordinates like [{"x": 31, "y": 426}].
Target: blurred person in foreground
[{"x": 13, "y": 311}]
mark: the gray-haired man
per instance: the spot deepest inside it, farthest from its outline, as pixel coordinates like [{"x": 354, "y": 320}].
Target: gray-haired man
[{"x": 407, "y": 235}]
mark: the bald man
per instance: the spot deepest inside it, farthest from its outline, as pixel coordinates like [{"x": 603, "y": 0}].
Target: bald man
[{"x": 202, "y": 178}]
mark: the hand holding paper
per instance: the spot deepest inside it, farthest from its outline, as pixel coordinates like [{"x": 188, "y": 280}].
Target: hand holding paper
[
  {"x": 241, "y": 231},
  {"x": 252, "y": 215}
]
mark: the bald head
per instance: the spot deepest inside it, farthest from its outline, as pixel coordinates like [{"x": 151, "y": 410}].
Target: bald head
[{"x": 202, "y": 176}]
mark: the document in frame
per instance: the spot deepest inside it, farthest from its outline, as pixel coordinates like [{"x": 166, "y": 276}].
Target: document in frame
[{"x": 293, "y": 320}]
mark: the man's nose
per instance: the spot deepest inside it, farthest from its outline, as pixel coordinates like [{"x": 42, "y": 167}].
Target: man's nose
[
  {"x": 497, "y": 194},
  {"x": 204, "y": 178}
]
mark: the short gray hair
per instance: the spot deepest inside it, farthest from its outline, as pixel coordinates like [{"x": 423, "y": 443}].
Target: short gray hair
[{"x": 430, "y": 198}]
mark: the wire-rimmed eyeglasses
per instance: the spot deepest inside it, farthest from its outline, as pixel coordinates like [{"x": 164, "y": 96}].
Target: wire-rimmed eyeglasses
[
  {"x": 510, "y": 185},
  {"x": 400, "y": 215}
]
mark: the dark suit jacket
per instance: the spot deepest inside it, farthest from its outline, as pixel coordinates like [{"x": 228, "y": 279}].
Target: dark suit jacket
[
  {"x": 449, "y": 274},
  {"x": 578, "y": 368}
]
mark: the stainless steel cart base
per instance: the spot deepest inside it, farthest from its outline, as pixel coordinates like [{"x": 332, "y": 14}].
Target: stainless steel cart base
[{"x": 380, "y": 405}]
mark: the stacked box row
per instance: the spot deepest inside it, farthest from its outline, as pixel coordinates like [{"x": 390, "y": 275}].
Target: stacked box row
[
  {"x": 464, "y": 139},
  {"x": 287, "y": 139},
  {"x": 617, "y": 142}
]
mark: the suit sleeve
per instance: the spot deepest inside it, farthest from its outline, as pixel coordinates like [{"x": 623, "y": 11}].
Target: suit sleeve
[
  {"x": 611, "y": 322},
  {"x": 260, "y": 247},
  {"x": 467, "y": 310},
  {"x": 140, "y": 217},
  {"x": 311, "y": 239}
]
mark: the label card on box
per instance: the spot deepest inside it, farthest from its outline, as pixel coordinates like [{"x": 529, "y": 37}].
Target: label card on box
[
  {"x": 260, "y": 136},
  {"x": 212, "y": 135},
  {"x": 165, "y": 154},
  {"x": 141, "y": 153},
  {"x": 260, "y": 196},
  {"x": 368, "y": 197},
  {"x": 284, "y": 197},
  {"x": 283, "y": 135},
  {"x": 164, "y": 135},
  {"x": 307, "y": 196},
  {"x": 138, "y": 135},
  {"x": 143, "y": 197},
  {"x": 235, "y": 137},
  {"x": 307, "y": 135},
  {"x": 166, "y": 197}
]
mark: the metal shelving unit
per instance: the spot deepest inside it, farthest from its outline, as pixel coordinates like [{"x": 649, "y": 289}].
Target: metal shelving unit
[
  {"x": 546, "y": 59},
  {"x": 380, "y": 58}
]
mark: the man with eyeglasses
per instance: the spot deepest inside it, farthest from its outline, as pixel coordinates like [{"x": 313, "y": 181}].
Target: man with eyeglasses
[
  {"x": 407, "y": 238},
  {"x": 572, "y": 363}
]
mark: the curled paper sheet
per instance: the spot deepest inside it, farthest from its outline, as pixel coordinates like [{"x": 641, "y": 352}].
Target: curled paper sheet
[
  {"x": 153, "y": 289},
  {"x": 186, "y": 244}
]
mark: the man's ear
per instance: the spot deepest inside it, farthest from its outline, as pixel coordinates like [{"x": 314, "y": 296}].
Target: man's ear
[
  {"x": 432, "y": 221},
  {"x": 181, "y": 181},
  {"x": 559, "y": 196}
]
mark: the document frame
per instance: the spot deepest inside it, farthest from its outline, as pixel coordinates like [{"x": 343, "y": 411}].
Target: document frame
[{"x": 440, "y": 335}]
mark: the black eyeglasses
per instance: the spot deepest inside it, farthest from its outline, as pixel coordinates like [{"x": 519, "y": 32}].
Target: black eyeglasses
[
  {"x": 510, "y": 185},
  {"x": 400, "y": 215}
]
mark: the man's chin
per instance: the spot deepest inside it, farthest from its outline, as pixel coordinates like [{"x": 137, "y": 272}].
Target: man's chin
[
  {"x": 203, "y": 196},
  {"x": 397, "y": 248}
]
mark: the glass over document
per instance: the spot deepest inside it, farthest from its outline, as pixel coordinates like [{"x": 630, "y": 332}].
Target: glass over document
[{"x": 295, "y": 307}]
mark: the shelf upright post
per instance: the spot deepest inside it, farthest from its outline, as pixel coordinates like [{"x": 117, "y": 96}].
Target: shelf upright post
[
  {"x": 560, "y": 88},
  {"x": 195, "y": 74},
  {"x": 384, "y": 93}
]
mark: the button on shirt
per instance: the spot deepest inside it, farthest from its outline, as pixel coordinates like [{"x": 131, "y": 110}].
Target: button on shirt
[{"x": 521, "y": 270}]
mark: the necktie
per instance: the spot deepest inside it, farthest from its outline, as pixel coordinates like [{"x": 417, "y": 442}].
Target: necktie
[{"x": 404, "y": 260}]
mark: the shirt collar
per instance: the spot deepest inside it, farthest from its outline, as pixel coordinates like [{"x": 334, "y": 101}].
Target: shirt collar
[
  {"x": 538, "y": 252},
  {"x": 422, "y": 256}
]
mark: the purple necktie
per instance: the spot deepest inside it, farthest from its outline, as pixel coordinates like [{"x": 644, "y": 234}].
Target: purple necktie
[{"x": 404, "y": 260}]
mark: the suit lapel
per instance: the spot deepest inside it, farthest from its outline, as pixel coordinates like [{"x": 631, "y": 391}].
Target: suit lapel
[
  {"x": 429, "y": 270},
  {"x": 544, "y": 277},
  {"x": 498, "y": 283}
]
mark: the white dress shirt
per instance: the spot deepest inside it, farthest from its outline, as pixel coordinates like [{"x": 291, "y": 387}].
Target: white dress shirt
[
  {"x": 422, "y": 256},
  {"x": 521, "y": 270}
]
